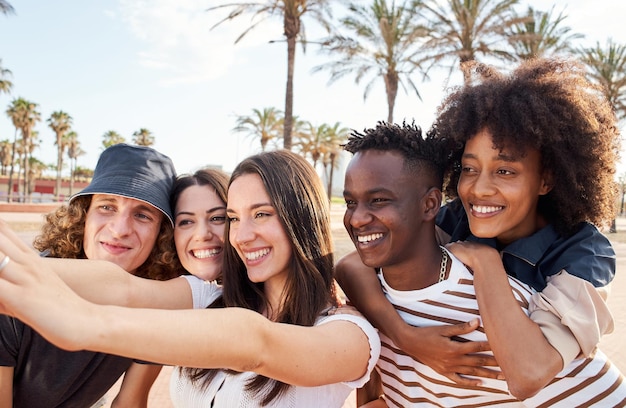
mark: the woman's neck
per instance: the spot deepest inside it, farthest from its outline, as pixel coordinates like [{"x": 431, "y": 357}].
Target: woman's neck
[{"x": 274, "y": 293}]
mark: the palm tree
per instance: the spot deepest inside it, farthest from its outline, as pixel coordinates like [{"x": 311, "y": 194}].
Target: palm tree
[
  {"x": 462, "y": 29},
  {"x": 334, "y": 137},
  {"x": 265, "y": 125},
  {"x": 5, "y": 83},
  {"x": 298, "y": 129},
  {"x": 24, "y": 116},
  {"x": 111, "y": 137},
  {"x": 323, "y": 143},
  {"x": 20, "y": 153},
  {"x": 143, "y": 137},
  {"x": 30, "y": 117},
  {"x": 83, "y": 173},
  {"x": 5, "y": 155},
  {"x": 14, "y": 114},
  {"x": 310, "y": 141},
  {"x": 291, "y": 13},
  {"x": 73, "y": 151},
  {"x": 383, "y": 42},
  {"x": 541, "y": 35},
  {"x": 29, "y": 148},
  {"x": 607, "y": 68},
  {"x": 36, "y": 169},
  {"x": 60, "y": 122},
  {"x": 6, "y": 8}
]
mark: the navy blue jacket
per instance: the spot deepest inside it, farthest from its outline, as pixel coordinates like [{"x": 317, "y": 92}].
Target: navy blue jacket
[{"x": 587, "y": 253}]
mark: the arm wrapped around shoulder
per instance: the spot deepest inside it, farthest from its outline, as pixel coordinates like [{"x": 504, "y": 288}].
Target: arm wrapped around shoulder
[{"x": 572, "y": 314}]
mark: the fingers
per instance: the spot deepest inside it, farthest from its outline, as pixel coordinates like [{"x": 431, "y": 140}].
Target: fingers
[
  {"x": 480, "y": 372},
  {"x": 468, "y": 358},
  {"x": 5, "y": 262},
  {"x": 475, "y": 366},
  {"x": 23, "y": 257},
  {"x": 472, "y": 352},
  {"x": 467, "y": 382},
  {"x": 12, "y": 245},
  {"x": 471, "y": 347},
  {"x": 460, "y": 376},
  {"x": 461, "y": 328},
  {"x": 7, "y": 234}
]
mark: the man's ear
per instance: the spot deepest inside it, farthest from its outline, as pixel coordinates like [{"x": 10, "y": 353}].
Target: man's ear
[{"x": 432, "y": 202}]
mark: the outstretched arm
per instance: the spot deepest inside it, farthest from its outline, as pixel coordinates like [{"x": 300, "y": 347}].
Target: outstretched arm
[
  {"x": 516, "y": 340},
  {"x": 105, "y": 283},
  {"x": 308, "y": 356},
  {"x": 433, "y": 346}
]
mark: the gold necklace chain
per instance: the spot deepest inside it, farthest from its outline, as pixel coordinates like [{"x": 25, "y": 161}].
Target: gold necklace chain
[{"x": 444, "y": 265}]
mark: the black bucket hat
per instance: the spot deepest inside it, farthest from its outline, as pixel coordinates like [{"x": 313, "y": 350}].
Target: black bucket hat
[{"x": 137, "y": 172}]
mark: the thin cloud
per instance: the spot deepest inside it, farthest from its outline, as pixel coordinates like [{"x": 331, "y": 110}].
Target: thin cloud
[{"x": 179, "y": 41}]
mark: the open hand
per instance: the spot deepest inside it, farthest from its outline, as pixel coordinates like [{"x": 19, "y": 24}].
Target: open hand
[
  {"x": 439, "y": 348},
  {"x": 31, "y": 291}
]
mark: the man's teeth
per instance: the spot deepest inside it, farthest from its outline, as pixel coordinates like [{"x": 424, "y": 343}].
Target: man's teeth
[
  {"x": 252, "y": 256},
  {"x": 206, "y": 253},
  {"x": 364, "y": 239},
  {"x": 484, "y": 209}
]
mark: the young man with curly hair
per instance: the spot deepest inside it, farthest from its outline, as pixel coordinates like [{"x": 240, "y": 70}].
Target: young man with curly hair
[{"x": 123, "y": 216}]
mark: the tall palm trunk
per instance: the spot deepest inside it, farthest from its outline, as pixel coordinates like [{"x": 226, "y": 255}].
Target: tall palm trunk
[
  {"x": 332, "y": 174},
  {"x": 288, "y": 124},
  {"x": 57, "y": 187},
  {"x": 10, "y": 190},
  {"x": 391, "y": 86},
  {"x": 72, "y": 171},
  {"x": 26, "y": 140},
  {"x": 19, "y": 178},
  {"x": 291, "y": 25}
]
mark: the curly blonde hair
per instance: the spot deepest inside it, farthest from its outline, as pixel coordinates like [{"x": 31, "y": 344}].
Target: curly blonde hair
[{"x": 62, "y": 236}]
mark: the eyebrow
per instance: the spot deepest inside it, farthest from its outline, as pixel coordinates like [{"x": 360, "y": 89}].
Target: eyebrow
[
  {"x": 105, "y": 198},
  {"x": 209, "y": 211},
  {"x": 499, "y": 156},
  {"x": 372, "y": 191},
  {"x": 149, "y": 208},
  {"x": 253, "y": 207}
]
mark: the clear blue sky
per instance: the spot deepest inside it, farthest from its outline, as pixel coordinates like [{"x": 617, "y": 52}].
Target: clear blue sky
[{"x": 126, "y": 64}]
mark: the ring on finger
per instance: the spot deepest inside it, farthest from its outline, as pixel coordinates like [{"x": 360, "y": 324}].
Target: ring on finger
[{"x": 4, "y": 262}]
